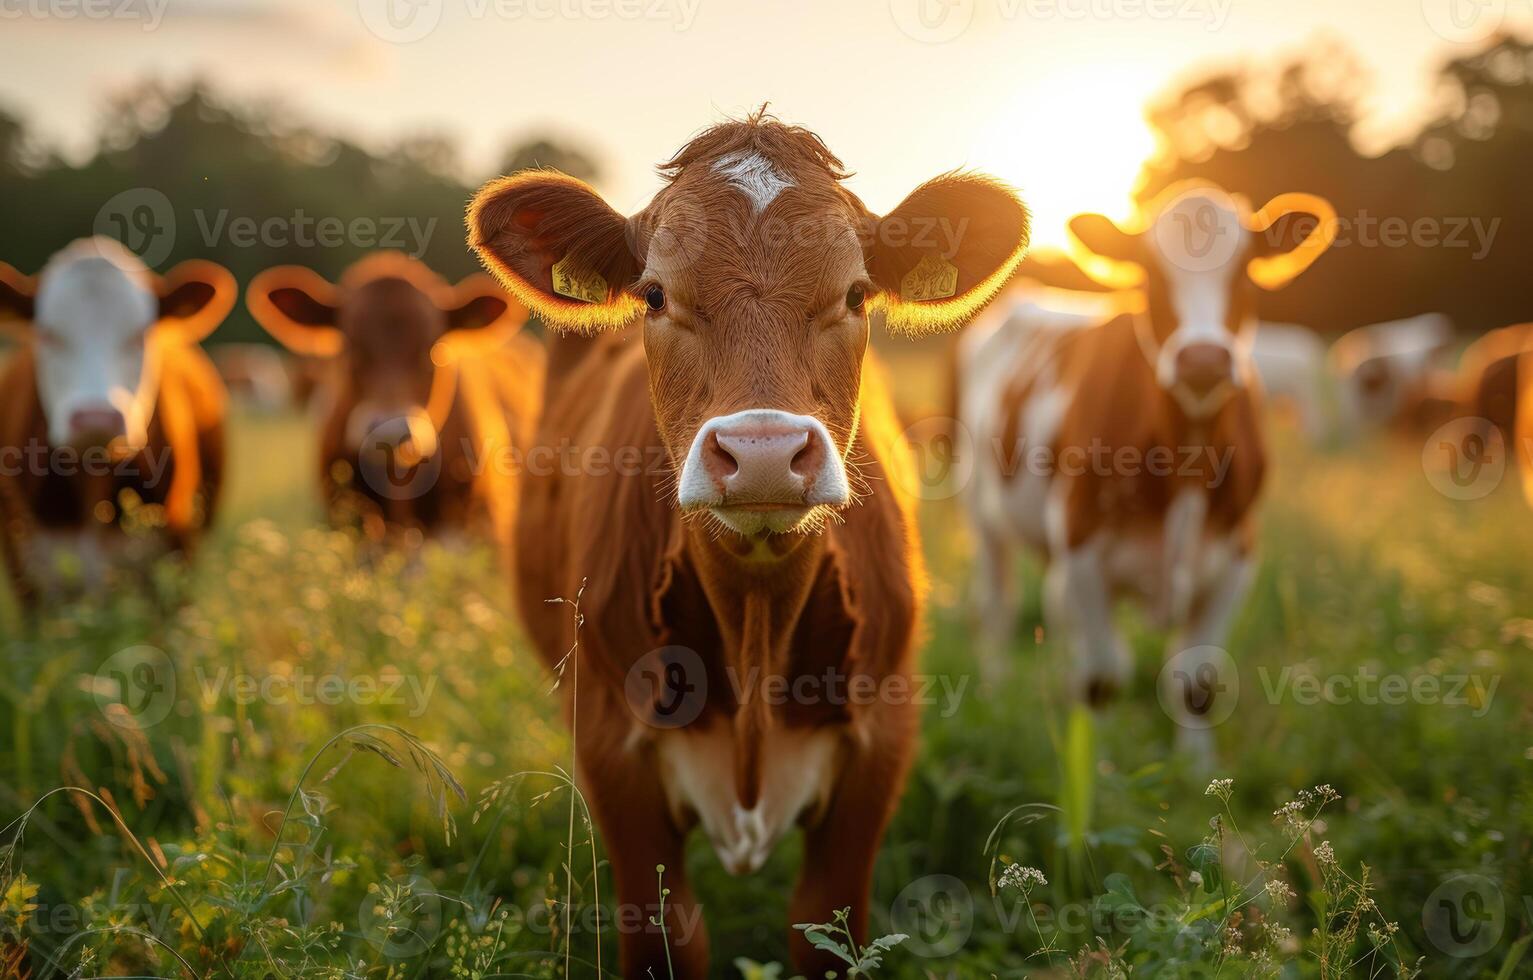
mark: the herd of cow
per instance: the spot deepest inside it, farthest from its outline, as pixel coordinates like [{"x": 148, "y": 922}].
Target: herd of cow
[{"x": 724, "y": 331}]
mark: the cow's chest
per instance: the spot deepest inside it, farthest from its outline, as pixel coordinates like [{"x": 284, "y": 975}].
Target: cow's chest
[
  {"x": 697, "y": 770},
  {"x": 1148, "y": 564}
]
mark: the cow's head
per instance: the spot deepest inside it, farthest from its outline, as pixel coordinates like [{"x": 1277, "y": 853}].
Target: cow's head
[
  {"x": 1197, "y": 261},
  {"x": 96, "y": 319},
  {"x": 395, "y": 324},
  {"x": 753, "y": 272}
]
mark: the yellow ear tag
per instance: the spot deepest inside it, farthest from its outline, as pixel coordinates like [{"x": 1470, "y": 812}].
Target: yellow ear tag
[
  {"x": 932, "y": 278},
  {"x": 587, "y": 287}
]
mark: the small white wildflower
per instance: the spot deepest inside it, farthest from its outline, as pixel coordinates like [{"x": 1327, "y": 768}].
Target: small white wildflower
[
  {"x": 1279, "y": 891},
  {"x": 1220, "y": 788},
  {"x": 1324, "y": 854},
  {"x": 1021, "y": 878}
]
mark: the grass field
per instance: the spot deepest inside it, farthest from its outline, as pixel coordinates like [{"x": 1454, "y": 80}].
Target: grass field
[{"x": 204, "y": 741}]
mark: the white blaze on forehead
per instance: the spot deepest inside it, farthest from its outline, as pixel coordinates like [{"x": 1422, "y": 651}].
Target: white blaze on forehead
[
  {"x": 94, "y": 306},
  {"x": 752, "y": 175}
]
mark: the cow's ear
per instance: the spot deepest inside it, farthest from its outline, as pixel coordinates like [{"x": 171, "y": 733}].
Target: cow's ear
[
  {"x": 1108, "y": 254},
  {"x": 1288, "y": 234},
  {"x": 558, "y": 247},
  {"x": 195, "y": 297},
  {"x": 17, "y": 301},
  {"x": 949, "y": 247},
  {"x": 298, "y": 308},
  {"x": 480, "y": 310}
]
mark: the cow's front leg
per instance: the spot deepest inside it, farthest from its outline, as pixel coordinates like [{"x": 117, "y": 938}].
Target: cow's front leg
[
  {"x": 1079, "y": 601},
  {"x": 624, "y": 791},
  {"x": 1201, "y": 660},
  {"x": 839, "y": 850}
]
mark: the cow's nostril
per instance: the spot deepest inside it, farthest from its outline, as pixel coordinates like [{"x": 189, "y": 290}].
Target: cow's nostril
[
  {"x": 721, "y": 463},
  {"x": 807, "y": 461}
]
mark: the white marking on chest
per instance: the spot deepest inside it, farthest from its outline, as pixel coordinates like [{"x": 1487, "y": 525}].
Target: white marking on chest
[
  {"x": 752, "y": 175},
  {"x": 799, "y": 769}
]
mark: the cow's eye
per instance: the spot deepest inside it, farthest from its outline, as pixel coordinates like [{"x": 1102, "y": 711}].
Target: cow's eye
[
  {"x": 654, "y": 298},
  {"x": 855, "y": 297}
]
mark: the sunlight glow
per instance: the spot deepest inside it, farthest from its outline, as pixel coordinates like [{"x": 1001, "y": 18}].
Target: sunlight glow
[{"x": 1081, "y": 149}]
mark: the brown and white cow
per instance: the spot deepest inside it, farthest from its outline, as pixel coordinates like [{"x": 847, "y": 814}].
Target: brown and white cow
[
  {"x": 753, "y": 600},
  {"x": 111, "y": 416},
  {"x": 432, "y": 393},
  {"x": 1130, "y": 452}
]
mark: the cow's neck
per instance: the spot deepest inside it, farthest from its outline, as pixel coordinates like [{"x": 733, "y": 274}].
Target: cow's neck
[
  {"x": 756, "y": 600},
  {"x": 756, "y": 604}
]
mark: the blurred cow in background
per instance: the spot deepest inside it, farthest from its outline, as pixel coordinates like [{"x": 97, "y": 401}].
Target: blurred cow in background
[
  {"x": 431, "y": 392},
  {"x": 111, "y": 416},
  {"x": 1130, "y": 453},
  {"x": 1289, "y": 358},
  {"x": 1395, "y": 375},
  {"x": 1492, "y": 377},
  {"x": 254, "y": 374}
]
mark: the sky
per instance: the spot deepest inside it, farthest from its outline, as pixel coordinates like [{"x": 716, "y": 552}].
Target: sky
[{"x": 1046, "y": 94}]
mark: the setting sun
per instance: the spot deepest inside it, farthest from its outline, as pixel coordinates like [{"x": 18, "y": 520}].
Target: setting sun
[{"x": 1101, "y": 142}]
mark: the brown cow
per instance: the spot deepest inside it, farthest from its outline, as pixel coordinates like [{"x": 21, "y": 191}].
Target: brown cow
[
  {"x": 1488, "y": 377},
  {"x": 432, "y": 391},
  {"x": 111, "y": 416},
  {"x": 753, "y": 599},
  {"x": 1130, "y": 452}
]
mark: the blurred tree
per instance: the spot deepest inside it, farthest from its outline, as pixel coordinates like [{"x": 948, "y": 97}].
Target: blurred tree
[
  {"x": 547, "y": 152},
  {"x": 1420, "y": 228}
]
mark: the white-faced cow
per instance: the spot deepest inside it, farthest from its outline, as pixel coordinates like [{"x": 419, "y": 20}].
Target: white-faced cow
[
  {"x": 755, "y": 585},
  {"x": 1130, "y": 453},
  {"x": 111, "y": 416}
]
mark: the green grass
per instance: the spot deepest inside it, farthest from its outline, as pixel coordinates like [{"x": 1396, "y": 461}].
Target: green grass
[{"x": 1365, "y": 566}]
